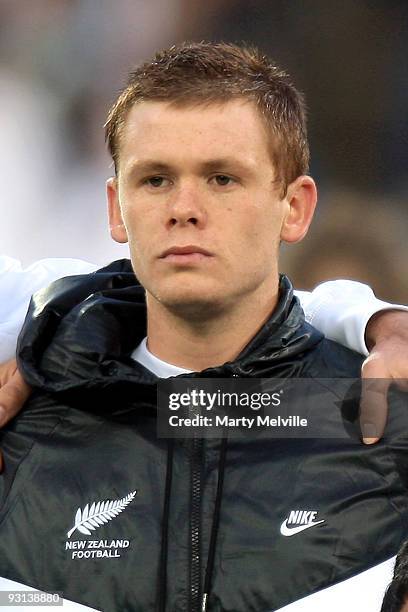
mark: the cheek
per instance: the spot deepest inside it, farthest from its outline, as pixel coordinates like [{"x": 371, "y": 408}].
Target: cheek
[
  {"x": 138, "y": 238},
  {"x": 138, "y": 223},
  {"x": 262, "y": 247},
  {"x": 262, "y": 232}
]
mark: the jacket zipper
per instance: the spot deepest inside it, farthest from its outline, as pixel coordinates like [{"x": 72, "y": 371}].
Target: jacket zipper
[
  {"x": 195, "y": 524},
  {"x": 198, "y": 601}
]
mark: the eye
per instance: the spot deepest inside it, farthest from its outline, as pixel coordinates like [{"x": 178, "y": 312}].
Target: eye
[
  {"x": 223, "y": 180},
  {"x": 156, "y": 181}
]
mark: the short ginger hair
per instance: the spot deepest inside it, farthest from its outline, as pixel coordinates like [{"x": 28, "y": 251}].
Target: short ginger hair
[{"x": 209, "y": 73}]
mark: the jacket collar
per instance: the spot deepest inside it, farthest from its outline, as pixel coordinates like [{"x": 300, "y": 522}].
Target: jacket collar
[{"x": 81, "y": 330}]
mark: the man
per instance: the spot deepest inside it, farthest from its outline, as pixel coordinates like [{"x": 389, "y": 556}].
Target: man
[{"x": 211, "y": 156}]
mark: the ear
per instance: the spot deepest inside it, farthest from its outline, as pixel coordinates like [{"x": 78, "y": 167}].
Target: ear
[
  {"x": 116, "y": 225},
  {"x": 301, "y": 198}
]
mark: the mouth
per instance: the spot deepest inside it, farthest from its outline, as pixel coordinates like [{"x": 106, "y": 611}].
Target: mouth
[{"x": 185, "y": 254}]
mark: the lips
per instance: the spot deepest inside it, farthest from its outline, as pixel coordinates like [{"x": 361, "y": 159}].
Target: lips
[
  {"x": 185, "y": 250},
  {"x": 188, "y": 255}
]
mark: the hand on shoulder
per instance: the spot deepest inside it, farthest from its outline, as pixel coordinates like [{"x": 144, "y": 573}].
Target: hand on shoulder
[{"x": 14, "y": 391}]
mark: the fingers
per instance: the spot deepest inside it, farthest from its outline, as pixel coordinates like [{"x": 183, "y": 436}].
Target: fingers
[
  {"x": 373, "y": 403},
  {"x": 373, "y": 409},
  {"x": 402, "y": 384},
  {"x": 13, "y": 394}
]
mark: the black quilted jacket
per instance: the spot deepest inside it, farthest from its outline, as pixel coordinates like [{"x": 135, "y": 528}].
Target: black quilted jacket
[{"x": 94, "y": 505}]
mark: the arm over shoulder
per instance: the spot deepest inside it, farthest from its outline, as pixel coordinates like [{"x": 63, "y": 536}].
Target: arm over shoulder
[
  {"x": 341, "y": 310},
  {"x": 17, "y": 284}
]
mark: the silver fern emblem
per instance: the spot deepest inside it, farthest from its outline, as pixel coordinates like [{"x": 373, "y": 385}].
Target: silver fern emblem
[{"x": 91, "y": 518}]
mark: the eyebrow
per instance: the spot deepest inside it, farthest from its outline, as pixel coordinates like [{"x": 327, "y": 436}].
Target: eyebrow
[
  {"x": 226, "y": 162},
  {"x": 211, "y": 165},
  {"x": 149, "y": 166}
]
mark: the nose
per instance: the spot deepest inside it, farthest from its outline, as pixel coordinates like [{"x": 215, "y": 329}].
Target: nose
[{"x": 187, "y": 206}]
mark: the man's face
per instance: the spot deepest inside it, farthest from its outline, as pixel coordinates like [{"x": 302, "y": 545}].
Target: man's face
[{"x": 200, "y": 207}]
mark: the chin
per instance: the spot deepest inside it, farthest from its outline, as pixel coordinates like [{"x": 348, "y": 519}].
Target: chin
[
  {"x": 193, "y": 304},
  {"x": 199, "y": 304}
]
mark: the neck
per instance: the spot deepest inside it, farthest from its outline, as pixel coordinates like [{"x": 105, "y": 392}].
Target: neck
[{"x": 200, "y": 344}]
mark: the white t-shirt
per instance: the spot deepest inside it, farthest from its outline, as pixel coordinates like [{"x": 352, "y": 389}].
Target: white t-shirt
[
  {"x": 162, "y": 369},
  {"x": 340, "y": 309}
]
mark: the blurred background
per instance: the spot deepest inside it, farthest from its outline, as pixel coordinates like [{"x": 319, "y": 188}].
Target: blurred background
[{"x": 62, "y": 63}]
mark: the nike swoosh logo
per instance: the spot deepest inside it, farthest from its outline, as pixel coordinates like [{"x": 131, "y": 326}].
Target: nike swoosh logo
[{"x": 290, "y": 531}]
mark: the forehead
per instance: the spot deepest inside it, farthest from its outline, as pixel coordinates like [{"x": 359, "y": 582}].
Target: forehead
[{"x": 216, "y": 129}]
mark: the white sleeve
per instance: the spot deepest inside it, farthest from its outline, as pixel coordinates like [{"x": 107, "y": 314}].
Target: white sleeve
[
  {"x": 16, "y": 287},
  {"x": 341, "y": 310}
]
